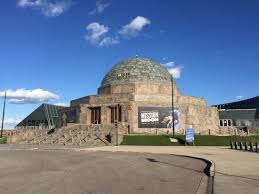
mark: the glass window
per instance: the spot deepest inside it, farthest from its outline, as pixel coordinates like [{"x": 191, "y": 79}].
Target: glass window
[
  {"x": 221, "y": 123},
  {"x": 225, "y": 123},
  {"x": 229, "y": 123},
  {"x": 96, "y": 115},
  {"x": 114, "y": 114}
]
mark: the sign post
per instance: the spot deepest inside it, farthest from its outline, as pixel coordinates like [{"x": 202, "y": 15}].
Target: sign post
[{"x": 189, "y": 136}]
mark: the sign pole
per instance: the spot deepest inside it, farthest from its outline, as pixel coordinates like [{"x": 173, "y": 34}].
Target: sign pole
[
  {"x": 172, "y": 78},
  {"x": 2, "y": 128}
]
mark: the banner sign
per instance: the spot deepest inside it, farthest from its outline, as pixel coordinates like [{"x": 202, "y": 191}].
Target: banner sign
[
  {"x": 189, "y": 135},
  {"x": 157, "y": 117}
]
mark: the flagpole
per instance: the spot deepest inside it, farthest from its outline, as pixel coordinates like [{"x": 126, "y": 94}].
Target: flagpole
[{"x": 2, "y": 128}]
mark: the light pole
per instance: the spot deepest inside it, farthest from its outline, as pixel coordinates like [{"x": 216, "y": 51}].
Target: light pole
[
  {"x": 117, "y": 127},
  {"x": 2, "y": 128},
  {"x": 173, "y": 127}
]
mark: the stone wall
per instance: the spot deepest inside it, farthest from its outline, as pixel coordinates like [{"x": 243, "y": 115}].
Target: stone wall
[
  {"x": 139, "y": 88},
  {"x": 193, "y": 111}
]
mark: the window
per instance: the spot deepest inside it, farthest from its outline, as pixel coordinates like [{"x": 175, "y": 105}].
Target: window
[
  {"x": 96, "y": 115},
  {"x": 229, "y": 122},
  {"x": 225, "y": 123},
  {"x": 114, "y": 114},
  {"x": 221, "y": 123},
  {"x": 37, "y": 123}
]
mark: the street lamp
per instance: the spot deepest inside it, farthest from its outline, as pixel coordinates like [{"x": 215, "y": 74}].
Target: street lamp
[
  {"x": 173, "y": 127},
  {"x": 2, "y": 128}
]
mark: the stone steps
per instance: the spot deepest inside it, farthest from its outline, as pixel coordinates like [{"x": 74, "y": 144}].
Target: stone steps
[{"x": 72, "y": 135}]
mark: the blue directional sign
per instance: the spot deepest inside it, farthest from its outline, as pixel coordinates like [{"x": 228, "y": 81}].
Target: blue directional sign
[{"x": 189, "y": 135}]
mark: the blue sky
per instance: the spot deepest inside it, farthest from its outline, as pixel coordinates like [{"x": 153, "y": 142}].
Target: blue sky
[{"x": 64, "y": 48}]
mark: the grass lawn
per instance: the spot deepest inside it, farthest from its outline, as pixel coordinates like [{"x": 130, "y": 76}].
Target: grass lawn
[
  {"x": 3, "y": 140},
  {"x": 200, "y": 140}
]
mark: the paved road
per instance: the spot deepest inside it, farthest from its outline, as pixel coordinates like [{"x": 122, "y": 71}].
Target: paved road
[
  {"x": 66, "y": 171},
  {"x": 235, "y": 171}
]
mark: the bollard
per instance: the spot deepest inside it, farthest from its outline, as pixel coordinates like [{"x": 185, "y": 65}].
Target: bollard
[
  {"x": 245, "y": 146},
  {"x": 241, "y": 145},
  {"x": 235, "y": 145},
  {"x": 231, "y": 145},
  {"x": 256, "y": 146},
  {"x": 251, "y": 147}
]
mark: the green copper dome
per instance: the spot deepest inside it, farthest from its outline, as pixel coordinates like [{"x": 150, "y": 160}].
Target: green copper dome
[{"x": 136, "y": 70}]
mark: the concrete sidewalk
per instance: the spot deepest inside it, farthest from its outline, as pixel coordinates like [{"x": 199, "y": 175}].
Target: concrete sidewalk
[{"x": 235, "y": 171}]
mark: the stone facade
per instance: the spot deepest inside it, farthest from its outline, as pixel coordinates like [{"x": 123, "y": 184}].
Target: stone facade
[{"x": 138, "y": 83}]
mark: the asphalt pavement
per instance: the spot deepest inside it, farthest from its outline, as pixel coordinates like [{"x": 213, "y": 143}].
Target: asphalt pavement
[
  {"x": 50, "y": 170},
  {"x": 235, "y": 171}
]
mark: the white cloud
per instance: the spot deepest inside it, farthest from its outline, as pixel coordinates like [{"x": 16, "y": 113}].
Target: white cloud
[
  {"x": 23, "y": 96},
  {"x": 30, "y": 3},
  {"x": 100, "y": 7},
  {"x": 134, "y": 27},
  {"x": 164, "y": 58},
  {"x": 55, "y": 9},
  {"x": 95, "y": 31},
  {"x": 239, "y": 97},
  {"x": 61, "y": 104},
  {"x": 47, "y": 7},
  {"x": 169, "y": 64},
  {"x": 107, "y": 41},
  {"x": 11, "y": 122},
  {"x": 173, "y": 69}
]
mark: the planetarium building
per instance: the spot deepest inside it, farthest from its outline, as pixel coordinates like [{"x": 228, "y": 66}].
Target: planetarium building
[{"x": 138, "y": 92}]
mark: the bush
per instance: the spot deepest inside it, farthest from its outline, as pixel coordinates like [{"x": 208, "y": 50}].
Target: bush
[{"x": 3, "y": 140}]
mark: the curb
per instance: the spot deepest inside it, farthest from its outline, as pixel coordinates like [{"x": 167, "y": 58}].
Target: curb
[
  {"x": 209, "y": 170},
  {"x": 210, "y": 188}
]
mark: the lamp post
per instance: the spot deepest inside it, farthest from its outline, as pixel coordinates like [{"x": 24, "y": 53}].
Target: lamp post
[
  {"x": 2, "y": 128},
  {"x": 117, "y": 126},
  {"x": 173, "y": 127}
]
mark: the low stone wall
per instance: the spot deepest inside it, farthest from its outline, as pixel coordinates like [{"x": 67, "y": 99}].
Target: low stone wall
[{"x": 22, "y": 135}]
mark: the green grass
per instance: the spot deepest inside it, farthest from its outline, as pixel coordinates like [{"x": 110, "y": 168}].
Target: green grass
[
  {"x": 155, "y": 140},
  {"x": 3, "y": 140},
  {"x": 200, "y": 140}
]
